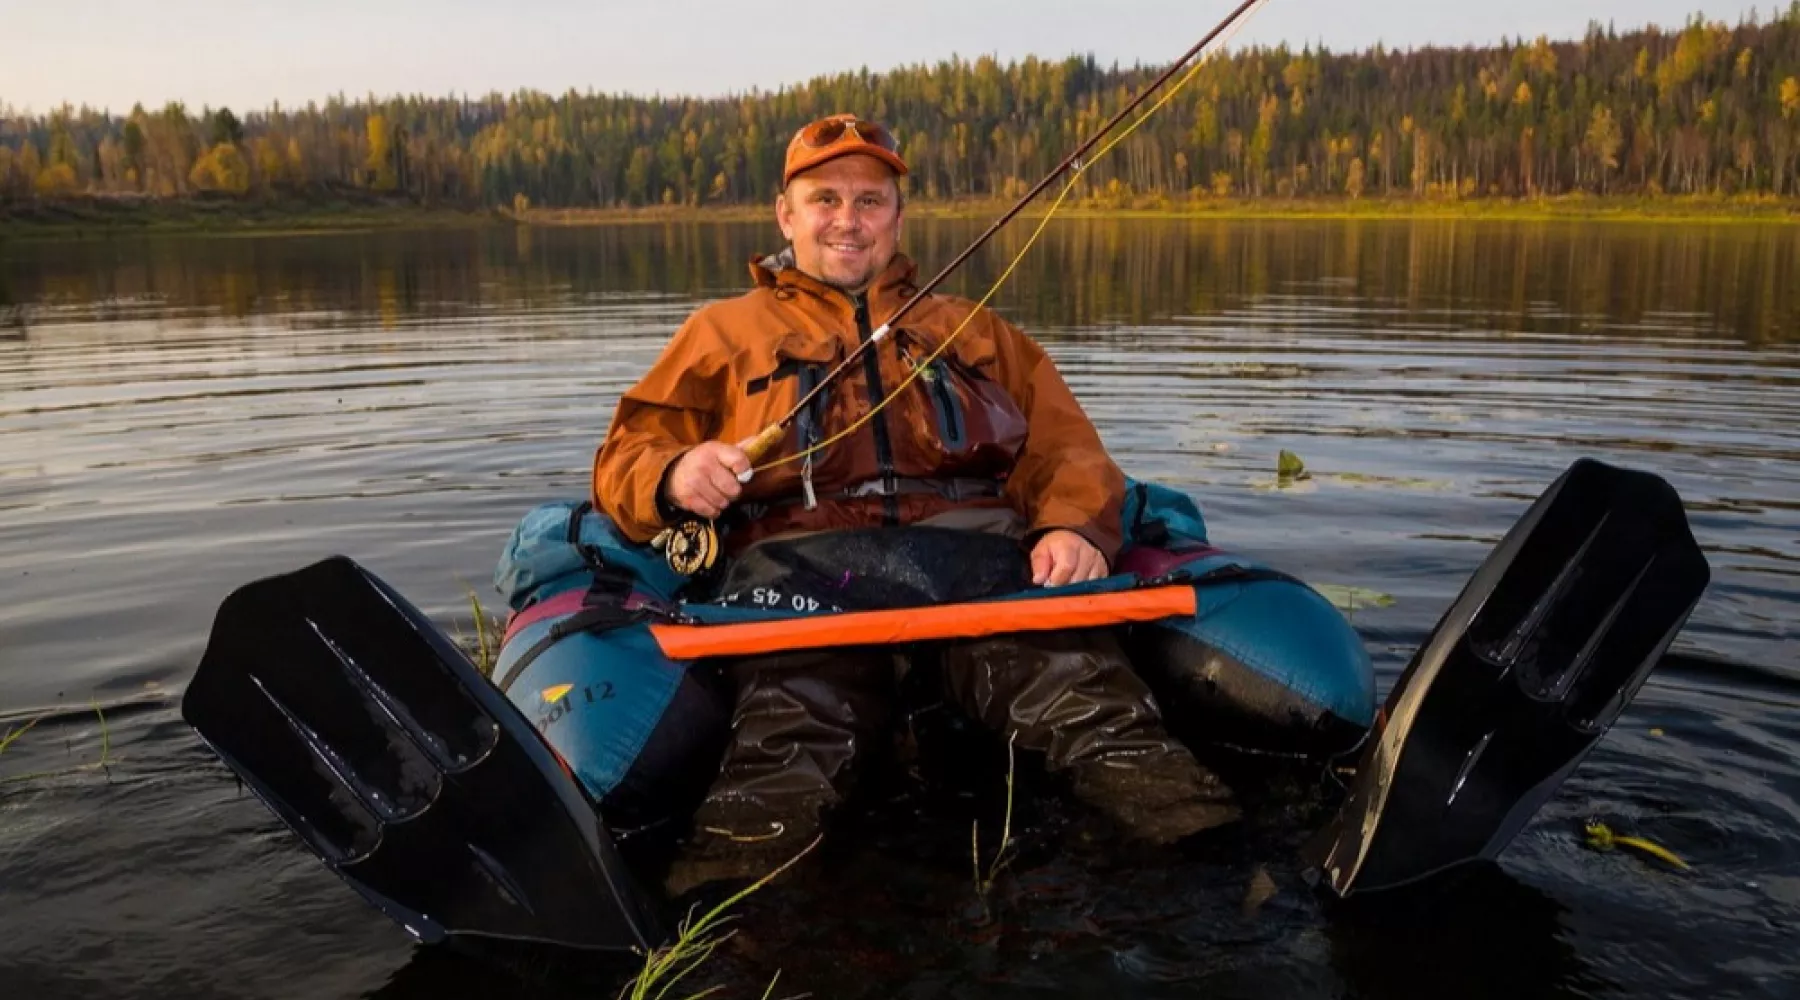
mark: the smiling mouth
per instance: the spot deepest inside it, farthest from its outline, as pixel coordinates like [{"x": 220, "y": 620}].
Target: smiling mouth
[{"x": 846, "y": 247}]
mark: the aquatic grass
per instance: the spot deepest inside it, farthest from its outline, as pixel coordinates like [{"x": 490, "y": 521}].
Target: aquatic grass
[
  {"x": 484, "y": 655},
  {"x": 14, "y": 734},
  {"x": 695, "y": 941},
  {"x": 484, "y": 648},
  {"x": 106, "y": 757},
  {"x": 769, "y": 991},
  {"x": 1004, "y": 855}
]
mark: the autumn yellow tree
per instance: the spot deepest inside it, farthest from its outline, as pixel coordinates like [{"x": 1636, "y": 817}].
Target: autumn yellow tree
[
  {"x": 380, "y": 163},
  {"x": 271, "y": 165},
  {"x": 1263, "y": 141},
  {"x": 221, "y": 168},
  {"x": 28, "y": 166},
  {"x": 56, "y": 181},
  {"x": 295, "y": 167},
  {"x": 1602, "y": 142}
]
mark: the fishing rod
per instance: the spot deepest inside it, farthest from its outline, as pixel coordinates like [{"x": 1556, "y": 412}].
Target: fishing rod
[
  {"x": 693, "y": 544},
  {"x": 767, "y": 438}
]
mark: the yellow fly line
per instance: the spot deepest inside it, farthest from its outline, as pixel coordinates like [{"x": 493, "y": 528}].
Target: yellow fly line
[{"x": 1080, "y": 169}]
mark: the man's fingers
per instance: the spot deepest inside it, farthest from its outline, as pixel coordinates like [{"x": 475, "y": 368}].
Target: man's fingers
[
  {"x": 1093, "y": 564},
  {"x": 709, "y": 478},
  {"x": 721, "y": 479},
  {"x": 704, "y": 499},
  {"x": 714, "y": 487},
  {"x": 734, "y": 459},
  {"x": 1063, "y": 557}
]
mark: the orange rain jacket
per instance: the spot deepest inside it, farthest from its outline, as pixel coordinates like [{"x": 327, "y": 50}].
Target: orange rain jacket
[{"x": 991, "y": 423}]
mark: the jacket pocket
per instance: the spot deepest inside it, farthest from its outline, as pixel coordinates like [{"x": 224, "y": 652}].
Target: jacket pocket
[
  {"x": 796, "y": 345},
  {"x": 793, "y": 355},
  {"x": 980, "y": 429},
  {"x": 807, "y": 359},
  {"x": 950, "y": 419}
]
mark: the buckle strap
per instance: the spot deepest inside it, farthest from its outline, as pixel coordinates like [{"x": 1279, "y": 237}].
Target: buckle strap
[
  {"x": 593, "y": 618},
  {"x": 954, "y": 490},
  {"x": 596, "y": 611},
  {"x": 949, "y": 489}
]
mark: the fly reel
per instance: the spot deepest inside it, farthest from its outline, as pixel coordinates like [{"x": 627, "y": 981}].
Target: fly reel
[
  {"x": 692, "y": 545},
  {"x": 689, "y": 547}
]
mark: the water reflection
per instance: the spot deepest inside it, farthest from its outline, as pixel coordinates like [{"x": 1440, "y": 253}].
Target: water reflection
[
  {"x": 1487, "y": 935},
  {"x": 1428, "y": 276},
  {"x": 179, "y": 416}
]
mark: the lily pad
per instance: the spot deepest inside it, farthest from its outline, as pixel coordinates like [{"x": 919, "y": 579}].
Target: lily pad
[
  {"x": 1289, "y": 466},
  {"x": 1368, "y": 479},
  {"x": 1285, "y": 484},
  {"x": 1348, "y": 598}
]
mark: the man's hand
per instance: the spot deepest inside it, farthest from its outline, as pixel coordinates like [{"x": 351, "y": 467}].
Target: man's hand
[
  {"x": 707, "y": 479},
  {"x": 1062, "y": 556}
]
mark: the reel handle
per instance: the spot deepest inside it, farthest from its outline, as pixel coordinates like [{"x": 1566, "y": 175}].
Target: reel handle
[{"x": 692, "y": 546}]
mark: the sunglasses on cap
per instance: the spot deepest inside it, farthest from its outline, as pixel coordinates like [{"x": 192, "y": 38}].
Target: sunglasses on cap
[{"x": 823, "y": 133}]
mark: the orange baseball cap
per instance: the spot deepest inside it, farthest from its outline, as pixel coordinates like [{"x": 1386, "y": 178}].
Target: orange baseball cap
[{"x": 840, "y": 135}]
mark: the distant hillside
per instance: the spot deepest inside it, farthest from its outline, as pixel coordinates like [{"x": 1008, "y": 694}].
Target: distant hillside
[{"x": 1707, "y": 109}]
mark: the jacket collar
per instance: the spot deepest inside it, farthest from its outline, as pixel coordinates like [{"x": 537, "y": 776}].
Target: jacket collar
[{"x": 890, "y": 288}]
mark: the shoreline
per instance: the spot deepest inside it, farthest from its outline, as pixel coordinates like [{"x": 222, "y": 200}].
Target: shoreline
[
  {"x": 93, "y": 218},
  {"x": 1566, "y": 207},
  {"x": 81, "y": 218}
]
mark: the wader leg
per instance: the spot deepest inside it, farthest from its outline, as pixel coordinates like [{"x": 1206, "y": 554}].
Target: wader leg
[
  {"x": 802, "y": 729},
  {"x": 1073, "y": 696}
]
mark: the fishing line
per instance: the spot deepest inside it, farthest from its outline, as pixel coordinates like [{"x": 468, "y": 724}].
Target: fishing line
[
  {"x": 692, "y": 544},
  {"x": 1224, "y": 36}
]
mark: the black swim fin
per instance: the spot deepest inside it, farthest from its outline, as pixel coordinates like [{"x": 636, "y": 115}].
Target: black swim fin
[
  {"x": 1530, "y": 666},
  {"x": 376, "y": 740}
]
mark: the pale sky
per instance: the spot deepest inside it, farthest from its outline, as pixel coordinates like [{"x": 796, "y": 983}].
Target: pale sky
[{"x": 246, "y": 53}]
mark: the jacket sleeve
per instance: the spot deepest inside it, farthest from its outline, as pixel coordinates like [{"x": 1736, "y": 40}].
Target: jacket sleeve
[
  {"x": 1063, "y": 478},
  {"x": 670, "y": 410}
]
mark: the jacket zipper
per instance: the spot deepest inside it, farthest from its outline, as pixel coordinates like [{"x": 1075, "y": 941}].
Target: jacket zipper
[
  {"x": 884, "y": 451},
  {"x": 940, "y": 384},
  {"x": 936, "y": 376},
  {"x": 807, "y": 425}
]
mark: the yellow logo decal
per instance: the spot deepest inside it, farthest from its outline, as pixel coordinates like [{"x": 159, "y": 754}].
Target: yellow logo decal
[{"x": 556, "y": 692}]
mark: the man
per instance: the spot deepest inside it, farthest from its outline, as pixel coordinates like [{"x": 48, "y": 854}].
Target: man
[{"x": 988, "y": 439}]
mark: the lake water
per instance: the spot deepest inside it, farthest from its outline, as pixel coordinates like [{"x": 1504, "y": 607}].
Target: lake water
[{"x": 181, "y": 415}]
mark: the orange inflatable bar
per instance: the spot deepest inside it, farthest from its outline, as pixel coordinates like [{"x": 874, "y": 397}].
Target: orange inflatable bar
[{"x": 945, "y": 621}]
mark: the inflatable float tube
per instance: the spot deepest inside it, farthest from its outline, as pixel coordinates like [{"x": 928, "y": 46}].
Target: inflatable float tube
[
  {"x": 602, "y": 653},
  {"x": 403, "y": 767}
]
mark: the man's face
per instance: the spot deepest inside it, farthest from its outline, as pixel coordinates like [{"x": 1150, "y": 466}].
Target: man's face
[{"x": 843, "y": 218}]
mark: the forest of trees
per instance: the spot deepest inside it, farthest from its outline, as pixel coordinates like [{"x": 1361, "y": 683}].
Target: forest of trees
[{"x": 1707, "y": 109}]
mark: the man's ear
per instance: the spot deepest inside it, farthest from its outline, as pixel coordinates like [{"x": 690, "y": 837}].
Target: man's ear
[{"x": 784, "y": 216}]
